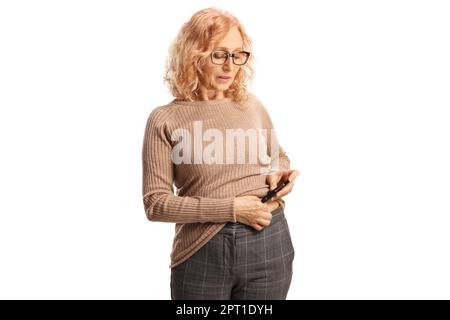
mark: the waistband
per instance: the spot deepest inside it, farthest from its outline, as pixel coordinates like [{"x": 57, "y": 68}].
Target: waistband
[{"x": 277, "y": 215}]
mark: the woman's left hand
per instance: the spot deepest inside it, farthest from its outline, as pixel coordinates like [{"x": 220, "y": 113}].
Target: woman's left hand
[{"x": 285, "y": 175}]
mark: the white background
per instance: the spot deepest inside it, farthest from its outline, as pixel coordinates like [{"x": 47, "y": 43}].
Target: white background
[{"x": 359, "y": 95}]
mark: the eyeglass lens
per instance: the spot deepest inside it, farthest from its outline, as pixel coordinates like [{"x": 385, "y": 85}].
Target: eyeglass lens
[{"x": 239, "y": 58}]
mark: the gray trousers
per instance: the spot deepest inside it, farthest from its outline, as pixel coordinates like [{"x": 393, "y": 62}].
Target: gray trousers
[{"x": 239, "y": 263}]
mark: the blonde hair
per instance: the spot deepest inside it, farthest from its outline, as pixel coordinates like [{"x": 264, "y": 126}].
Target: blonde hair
[{"x": 191, "y": 48}]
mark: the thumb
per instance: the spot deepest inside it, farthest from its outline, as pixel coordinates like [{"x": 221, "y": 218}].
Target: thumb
[{"x": 273, "y": 181}]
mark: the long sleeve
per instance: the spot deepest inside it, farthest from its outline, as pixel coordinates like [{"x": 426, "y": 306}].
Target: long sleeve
[
  {"x": 283, "y": 159},
  {"x": 160, "y": 203}
]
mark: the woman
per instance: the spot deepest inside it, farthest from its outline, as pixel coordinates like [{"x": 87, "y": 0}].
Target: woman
[{"x": 228, "y": 244}]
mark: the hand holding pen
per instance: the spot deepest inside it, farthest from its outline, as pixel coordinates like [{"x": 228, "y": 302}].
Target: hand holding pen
[{"x": 286, "y": 177}]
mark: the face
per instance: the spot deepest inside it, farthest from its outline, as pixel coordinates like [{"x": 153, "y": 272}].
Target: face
[{"x": 213, "y": 87}]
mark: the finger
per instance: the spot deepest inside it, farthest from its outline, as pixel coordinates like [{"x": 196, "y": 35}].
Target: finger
[
  {"x": 293, "y": 174},
  {"x": 265, "y": 223},
  {"x": 285, "y": 190},
  {"x": 269, "y": 181},
  {"x": 276, "y": 197},
  {"x": 262, "y": 207},
  {"x": 285, "y": 175},
  {"x": 273, "y": 180},
  {"x": 265, "y": 220},
  {"x": 290, "y": 175},
  {"x": 257, "y": 227},
  {"x": 262, "y": 222}
]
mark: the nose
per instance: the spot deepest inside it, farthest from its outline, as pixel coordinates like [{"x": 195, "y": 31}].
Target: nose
[{"x": 228, "y": 65}]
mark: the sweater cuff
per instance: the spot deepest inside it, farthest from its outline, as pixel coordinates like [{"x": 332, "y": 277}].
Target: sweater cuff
[{"x": 224, "y": 208}]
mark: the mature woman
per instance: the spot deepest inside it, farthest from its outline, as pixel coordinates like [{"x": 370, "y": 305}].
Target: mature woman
[{"x": 215, "y": 143}]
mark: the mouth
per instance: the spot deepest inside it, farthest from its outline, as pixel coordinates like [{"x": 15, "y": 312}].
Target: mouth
[{"x": 224, "y": 78}]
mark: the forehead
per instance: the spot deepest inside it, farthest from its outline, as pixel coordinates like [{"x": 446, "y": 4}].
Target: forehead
[{"x": 232, "y": 40}]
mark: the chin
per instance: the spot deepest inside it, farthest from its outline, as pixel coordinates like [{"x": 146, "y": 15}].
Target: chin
[
  {"x": 224, "y": 84},
  {"x": 221, "y": 87}
]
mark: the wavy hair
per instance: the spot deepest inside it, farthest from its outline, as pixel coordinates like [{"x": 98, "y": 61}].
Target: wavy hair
[{"x": 191, "y": 48}]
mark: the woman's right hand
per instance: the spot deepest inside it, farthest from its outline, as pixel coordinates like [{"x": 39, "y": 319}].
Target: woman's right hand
[{"x": 251, "y": 211}]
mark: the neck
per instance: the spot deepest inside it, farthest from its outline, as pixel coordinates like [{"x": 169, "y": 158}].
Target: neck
[{"x": 206, "y": 94}]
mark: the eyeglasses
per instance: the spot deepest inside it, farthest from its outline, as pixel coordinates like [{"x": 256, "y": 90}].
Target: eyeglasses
[{"x": 221, "y": 56}]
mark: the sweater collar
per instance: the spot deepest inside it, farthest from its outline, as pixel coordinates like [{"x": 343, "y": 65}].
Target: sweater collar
[{"x": 200, "y": 103}]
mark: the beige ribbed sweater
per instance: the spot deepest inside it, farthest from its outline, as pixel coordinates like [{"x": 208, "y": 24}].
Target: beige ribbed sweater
[{"x": 202, "y": 202}]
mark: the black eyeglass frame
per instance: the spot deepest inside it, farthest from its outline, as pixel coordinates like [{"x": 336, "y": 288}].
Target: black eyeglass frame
[{"x": 230, "y": 54}]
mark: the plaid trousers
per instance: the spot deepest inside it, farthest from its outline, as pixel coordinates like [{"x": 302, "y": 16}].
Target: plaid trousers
[{"x": 239, "y": 263}]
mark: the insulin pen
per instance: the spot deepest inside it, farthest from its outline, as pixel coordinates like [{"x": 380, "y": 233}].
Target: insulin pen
[{"x": 271, "y": 193}]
